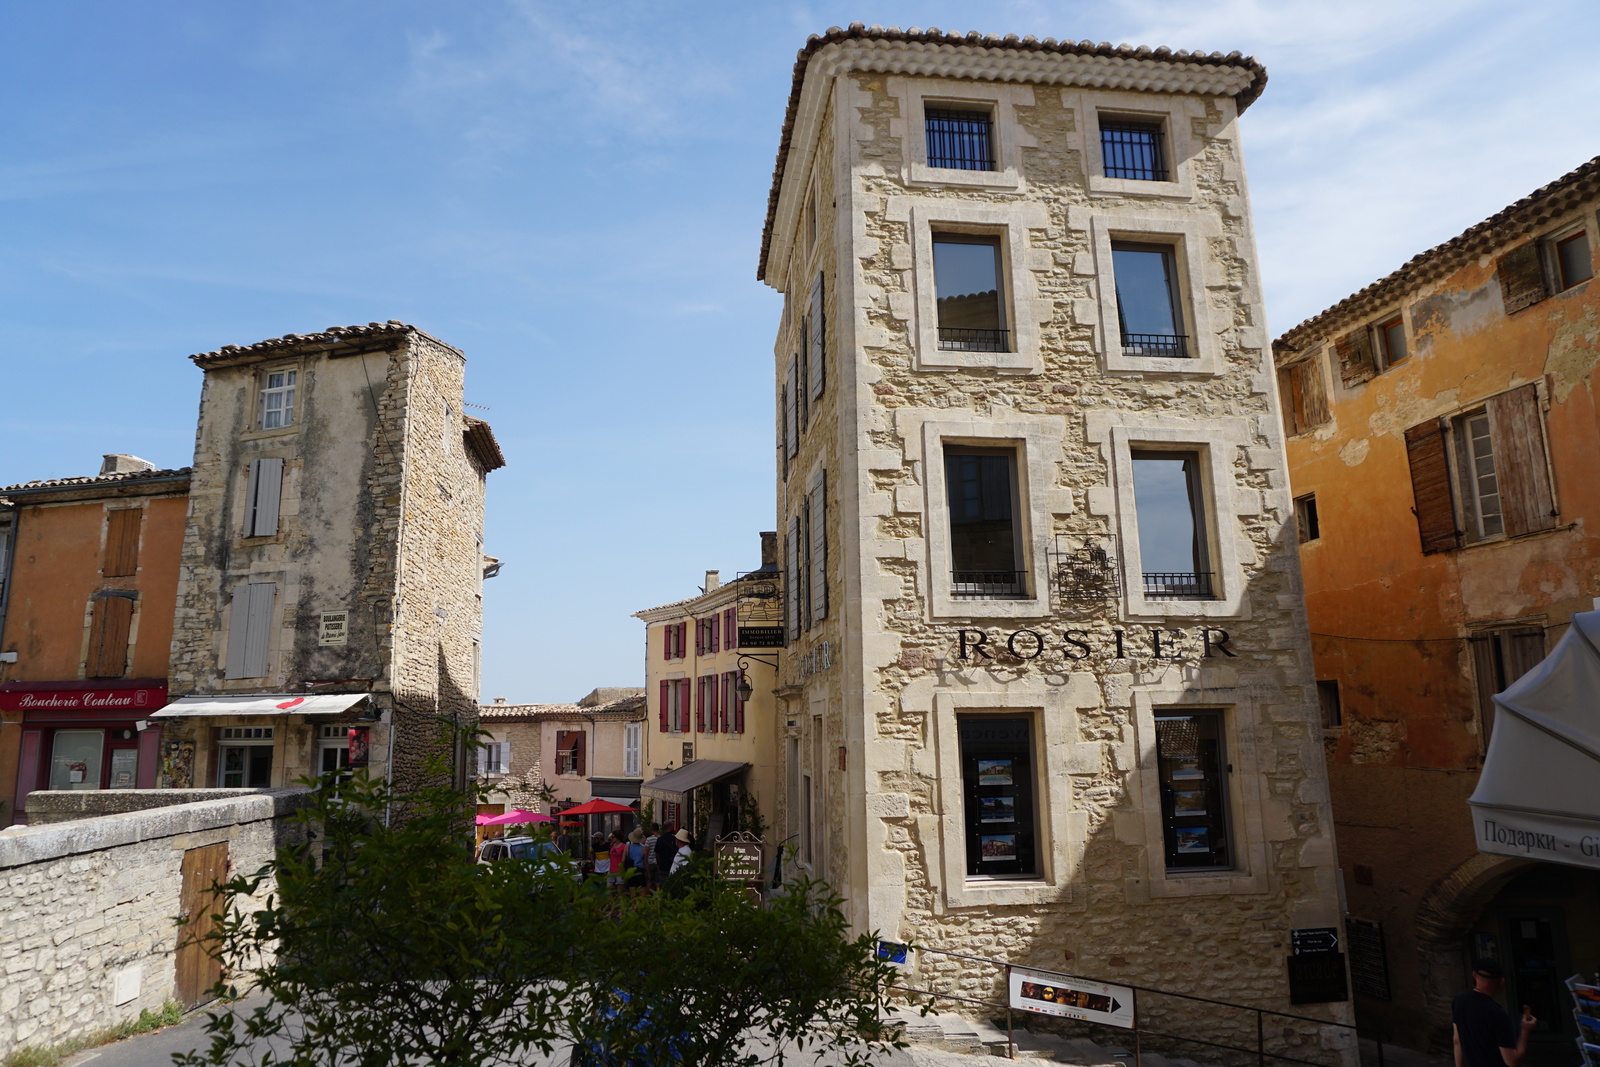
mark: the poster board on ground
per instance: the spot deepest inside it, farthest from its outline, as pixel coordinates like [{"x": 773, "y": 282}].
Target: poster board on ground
[{"x": 1071, "y": 998}]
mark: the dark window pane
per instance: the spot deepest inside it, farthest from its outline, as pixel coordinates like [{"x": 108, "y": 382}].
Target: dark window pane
[
  {"x": 997, "y": 780},
  {"x": 1328, "y": 701},
  {"x": 983, "y": 528},
  {"x": 959, "y": 139},
  {"x": 1171, "y": 523},
  {"x": 1133, "y": 150},
  {"x": 1573, "y": 254},
  {"x": 1147, "y": 300},
  {"x": 1394, "y": 341},
  {"x": 1305, "y": 514},
  {"x": 1192, "y": 769},
  {"x": 966, "y": 280}
]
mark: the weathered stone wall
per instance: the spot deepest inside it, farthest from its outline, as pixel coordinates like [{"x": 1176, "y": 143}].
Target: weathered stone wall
[
  {"x": 88, "y": 938},
  {"x": 1071, "y": 404}
]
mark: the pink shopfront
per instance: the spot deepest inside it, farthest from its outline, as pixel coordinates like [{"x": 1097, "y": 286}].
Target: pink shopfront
[{"x": 86, "y": 735}]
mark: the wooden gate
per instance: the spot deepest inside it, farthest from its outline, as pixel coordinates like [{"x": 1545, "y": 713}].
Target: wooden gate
[{"x": 198, "y": 968}]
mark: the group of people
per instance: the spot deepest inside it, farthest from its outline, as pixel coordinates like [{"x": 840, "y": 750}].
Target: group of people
[{"x": 646, "y": 857}]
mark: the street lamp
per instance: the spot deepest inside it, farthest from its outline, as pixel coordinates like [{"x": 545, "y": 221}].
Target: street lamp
[{"x": 742, "y": 688}]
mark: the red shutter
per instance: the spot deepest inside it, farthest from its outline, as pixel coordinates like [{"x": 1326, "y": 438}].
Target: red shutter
[
  {"x": 1430, "y": 488},
  {"x": 579, "y": 737},
  {"x": 699, "y": 637},
  {"x": 666, "y": 695},
  {"x": 700, "y": 707},
  {"x": 727, "y": 701},
  {"x": 712, "y": 701},
  {"x": 738, "y": 706},
  {"x": 716, "y": 633},
  {"x": 730, "y": 627},
  {"x": 666, "y": 642},
  {"x": 683, "y": 640}
]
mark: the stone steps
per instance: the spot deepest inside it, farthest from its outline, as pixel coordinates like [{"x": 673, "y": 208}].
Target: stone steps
[{"x": 956, "y": 1033}]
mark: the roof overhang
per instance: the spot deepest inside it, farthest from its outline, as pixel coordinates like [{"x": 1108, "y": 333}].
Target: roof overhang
[
  {"x": 934, "y": 53},
  {"x": 260, "y": 704},
  {"x": 1536, "y": 798},
  {"x": 675, "y": 785}
]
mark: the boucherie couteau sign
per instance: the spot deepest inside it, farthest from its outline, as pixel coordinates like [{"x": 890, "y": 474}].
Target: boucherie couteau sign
[
  {"x": 1130, "y": 643},
  {"x": 69, "y": 696}
]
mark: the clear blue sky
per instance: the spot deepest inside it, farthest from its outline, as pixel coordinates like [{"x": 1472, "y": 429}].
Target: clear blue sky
[{"x": 573, "y": 194}]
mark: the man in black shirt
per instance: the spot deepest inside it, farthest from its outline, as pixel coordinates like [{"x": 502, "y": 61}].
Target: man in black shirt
[{"x": 1483, "y": 1031}]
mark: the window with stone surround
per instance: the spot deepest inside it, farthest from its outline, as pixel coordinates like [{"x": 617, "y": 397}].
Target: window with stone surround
[
  {"x": 969, "y": 295},
  {"x": 959, "y": 136},
  {"x": 244, "y": 757},
  {"x": 1192, "y": 767},
  {"x": 1149, "y": 311},
  {"x": 1573, "y": 262},
  {"x": 1174, "y": 543},
  {"x": 985, "y": 522},
  {"x": 277, "y": 399},
  {"x": 997, "y": 772},
  {"x": 1133, "y": 148}
]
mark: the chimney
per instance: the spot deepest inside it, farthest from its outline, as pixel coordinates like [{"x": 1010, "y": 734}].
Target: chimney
[
  {"x": 119, "y": 463},
  {"x": 769, "y": 548},
  {"x": 713, "y": 580}
]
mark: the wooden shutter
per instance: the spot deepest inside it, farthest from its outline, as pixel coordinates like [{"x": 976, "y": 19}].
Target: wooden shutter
[
  {"x": 738, "y": 705},
  {"x": 1356, "y": 364},
  {"x": 783, "y": 429},
  {"x": 801, "y": 392},
  {"x": 1430, "y": 488},
  {"x": 818, "y": 577},
  {"x": 1521, "y": 274},
  {"x": 683, "y": 640},
  {"x": 666, "y": 642},
  {"x": 699, "y": 705},
  {"x": 794, "y": 581},
  {"x": 716, "y": 633},
  {"x": 1521, "y": 651},
  {"x": 578, "y": 753},
  {"x": 1526, "y": 501},
  {"x": 790, "y": 418},
  {"x": 819, "y": 339},
  {"x": 250, "y": 630},
  {"x": 664, "y": 699},
  {"x": 109, "y": 624},
  {"x": 122, "y": 542},
  {"x": 1312, "y": 392},
  {"x": 699, "y": 637},
  {"x": 1289, "y": 396},
  {"x": 713, "y": 703},
  {"x": 265, "y": 495}
]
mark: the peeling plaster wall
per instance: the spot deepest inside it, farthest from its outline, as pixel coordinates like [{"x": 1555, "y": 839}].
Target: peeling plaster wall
[
  {"x": 1390, "y": 624},
  {"x": 892, "y": 807}
]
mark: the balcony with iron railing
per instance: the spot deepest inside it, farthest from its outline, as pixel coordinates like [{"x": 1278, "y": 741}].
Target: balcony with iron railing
[
  {"x": 988, "y": 585},
  {"x": 1177, "y": 585},
  {"x": 970, "y": 339}
]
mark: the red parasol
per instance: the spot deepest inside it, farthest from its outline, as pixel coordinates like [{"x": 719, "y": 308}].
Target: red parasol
[
  {"x": 512, "y": 818},
  {"x": 598, "y": 807}
]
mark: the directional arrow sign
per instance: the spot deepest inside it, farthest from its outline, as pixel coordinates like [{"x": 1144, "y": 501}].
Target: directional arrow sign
[
  {"x": 1315, "y": 940},
  {"x": 1072, "y": 998}
]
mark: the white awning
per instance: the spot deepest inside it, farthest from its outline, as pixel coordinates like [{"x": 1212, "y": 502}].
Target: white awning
[
  {"x": 1539, "y": 794},
  {"x": 261, "y": 704}
]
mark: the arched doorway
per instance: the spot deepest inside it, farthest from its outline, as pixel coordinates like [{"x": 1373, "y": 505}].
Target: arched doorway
[{"x": 1540, "y": 920}]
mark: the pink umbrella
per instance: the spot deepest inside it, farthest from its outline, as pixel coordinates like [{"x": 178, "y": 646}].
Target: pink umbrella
[{"x": 513, "y": 817}]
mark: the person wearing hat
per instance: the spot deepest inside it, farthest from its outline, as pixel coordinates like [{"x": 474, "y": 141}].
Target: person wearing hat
[
  {"x": 666, "y": 850},
  {"x": 633, "y": 858},
  {"x": 685, "y": 850},
  {"x": 1482, "y": 1031}
]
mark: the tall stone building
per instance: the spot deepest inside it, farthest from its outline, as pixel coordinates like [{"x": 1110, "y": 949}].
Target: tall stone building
[
  {"x": 330, "y": 594},
  {"x": 1046, "y": 689}
]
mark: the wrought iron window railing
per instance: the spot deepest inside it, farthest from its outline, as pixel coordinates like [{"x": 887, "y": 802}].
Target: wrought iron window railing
[
  {"x": 982, "y": 585},
  {"x": 1165, "y": 345},
  {"x": 968, "y": 339},
  {"x": 1086, "y": 573},
  {"x": 1133, "y": 150},
  {"x": 960, "y": 140},
  {"x": 1163, "y": 585}
]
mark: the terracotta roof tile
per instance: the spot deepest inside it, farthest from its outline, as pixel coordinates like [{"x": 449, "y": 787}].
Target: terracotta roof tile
[
  {"x": 627, "y": 706},
  {"x": 99, "y": 479},
  {"x": 332, "y": 337}
]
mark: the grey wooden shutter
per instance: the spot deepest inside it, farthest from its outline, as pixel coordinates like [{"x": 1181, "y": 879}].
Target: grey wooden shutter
[
  {"x": 1486, "y": 681},
  {"x": 1356, "y": 364},
  {"x": 266, "y": 491},
  {"x": 794, "y": 581},
  {"x": 1430, "y": 488},
  {"x": 1521, "y": 274},
  {"x": 790, "y": 422},
  {"x": 819, "y": 338},
  {"x": 819, "y": 547},
  {"x": 1526, "y": 500},
  {"x": 250, "y": 630},
  {"x": 802, "y": 398}
]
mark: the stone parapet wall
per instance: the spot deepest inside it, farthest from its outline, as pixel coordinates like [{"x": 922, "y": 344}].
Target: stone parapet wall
[{"x": 88, "y": 938}]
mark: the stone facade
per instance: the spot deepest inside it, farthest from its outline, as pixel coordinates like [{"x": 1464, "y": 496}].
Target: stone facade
[
  {"x": 1421, "y": 610},
  {"x": 89, "y": 938},
  {"x": 534, "y": 762},
  {"x": 883, "y": 665},
  {"x": 379, "y": 520}
]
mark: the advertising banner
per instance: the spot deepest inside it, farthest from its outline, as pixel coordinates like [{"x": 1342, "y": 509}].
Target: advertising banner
[
  {"x": 1071, "y": 998},
  {"x": 120, "y": 698}
]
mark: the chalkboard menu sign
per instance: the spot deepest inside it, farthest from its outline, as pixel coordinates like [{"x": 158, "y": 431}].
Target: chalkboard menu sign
[{"x": 1369, "y": 962}]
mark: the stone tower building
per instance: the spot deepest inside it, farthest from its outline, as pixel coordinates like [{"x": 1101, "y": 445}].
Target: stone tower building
[
  {"x": 330, "y": 595},
  {"x": 1047, "y": 690}
]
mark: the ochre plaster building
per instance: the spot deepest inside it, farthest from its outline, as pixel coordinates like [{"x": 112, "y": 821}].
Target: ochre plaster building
[
  {"x": 710, "y": 752},
  {"x": 1445, "y": 456},
  {"x": 1046, "y": 691},
  {"x": 329, "y": 604},
  {"x": 85, "y": 628}
]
